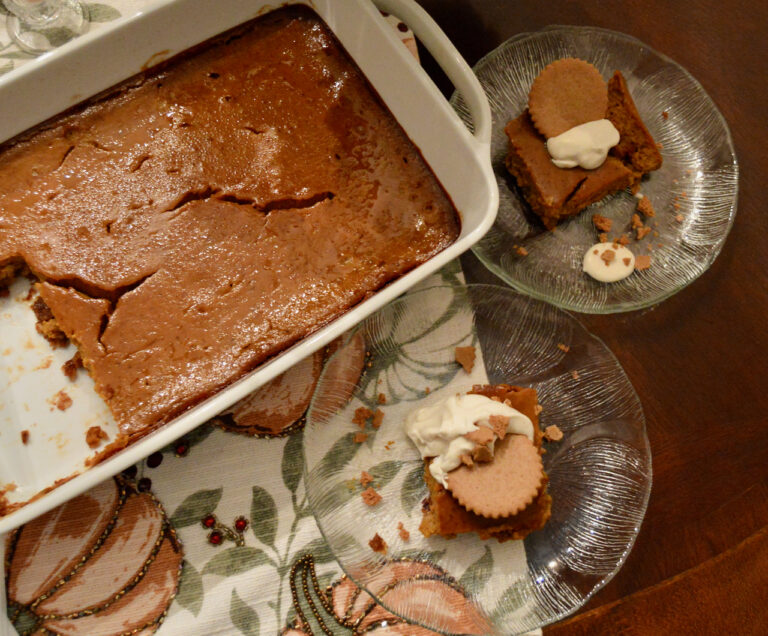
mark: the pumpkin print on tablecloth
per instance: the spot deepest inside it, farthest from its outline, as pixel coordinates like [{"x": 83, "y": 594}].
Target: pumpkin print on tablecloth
[
  {"x": 106, "y": 562},
  {"x": 278, "y": 407},
  {"x": 343, "y": 604}
]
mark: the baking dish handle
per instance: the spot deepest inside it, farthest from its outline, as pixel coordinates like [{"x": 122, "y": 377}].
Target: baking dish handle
[{"x": 449, "y": 59}]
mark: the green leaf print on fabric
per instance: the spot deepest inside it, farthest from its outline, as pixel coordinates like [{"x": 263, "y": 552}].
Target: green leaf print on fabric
[
  {"x": 98, "y": 12},
  {"x": 292, "y": 466},
  {"x": 242, "y": 616},
  {"x": 263, "y": 516},
  {"x": 476, "y": 575},
  {"x": 343, "y": 491},
  {"x": 236, "y": 560},
  {"x": 339, "y": 454},
  {"x": 195, "y": 507},
  {"x": 384, "y": 472},
  {"x": 414, "y": 489},
  {"x": 319, "y": 549},
  {"x": 513, "y": 598},
  {"x": 58, "y": 35},
  {"x": 190, "y": 594}
]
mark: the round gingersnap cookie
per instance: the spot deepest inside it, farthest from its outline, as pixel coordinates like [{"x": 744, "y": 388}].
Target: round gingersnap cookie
[
  {"x": 501, "y": 487},
  {"x": 567, "y": 93}
]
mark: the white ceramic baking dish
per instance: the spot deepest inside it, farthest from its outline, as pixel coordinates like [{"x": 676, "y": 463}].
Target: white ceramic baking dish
[{"x": 92, "y": 63}]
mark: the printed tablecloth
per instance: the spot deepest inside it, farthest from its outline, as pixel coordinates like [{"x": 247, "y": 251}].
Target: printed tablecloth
[{"x": 213, "y": 535}]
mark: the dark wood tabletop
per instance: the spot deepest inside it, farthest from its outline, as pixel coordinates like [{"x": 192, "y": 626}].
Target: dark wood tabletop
[{"x": 699, "y": 360}]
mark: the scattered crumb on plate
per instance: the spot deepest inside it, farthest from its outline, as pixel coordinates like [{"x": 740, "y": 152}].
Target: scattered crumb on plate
[{"x": 370, "y": 496}]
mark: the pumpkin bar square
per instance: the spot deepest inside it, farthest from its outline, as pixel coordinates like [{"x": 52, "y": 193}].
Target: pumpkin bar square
[
  {"x": 556, "y": 193},
  {"x": 444, "y": 516}
]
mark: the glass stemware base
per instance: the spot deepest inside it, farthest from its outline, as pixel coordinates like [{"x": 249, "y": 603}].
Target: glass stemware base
[{"x": 71, "y": 21}]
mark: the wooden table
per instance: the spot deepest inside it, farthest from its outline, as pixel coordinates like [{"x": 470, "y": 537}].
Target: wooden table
[{"x": 697, "y": 360}]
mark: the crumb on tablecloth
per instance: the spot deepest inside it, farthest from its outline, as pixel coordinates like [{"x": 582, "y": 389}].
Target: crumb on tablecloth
[
  {"x": 370, "y": 496},
  {"x": 362, "y": 414},
  {"x": 25, "y": 436},
  {"x": 563, "y": 347},
  {"x": 360, "y": 437},
  {"x": 365, "y": 478},
  {"x": 378, "y": 544},
  {"x": 404, "y": 534},
  {"x": 378, "y": 418},
  {"x": 381, "y": 399},
  {"x": 465, "y": 356}
]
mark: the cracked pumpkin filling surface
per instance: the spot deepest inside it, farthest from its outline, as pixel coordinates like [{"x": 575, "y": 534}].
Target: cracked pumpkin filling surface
[{"x": 201, "y": 217}]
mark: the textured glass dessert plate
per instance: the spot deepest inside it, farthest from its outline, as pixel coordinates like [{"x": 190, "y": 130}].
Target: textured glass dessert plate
[
  {"x": 697, "y": 181},
  {"x": 600, "y": 473}
]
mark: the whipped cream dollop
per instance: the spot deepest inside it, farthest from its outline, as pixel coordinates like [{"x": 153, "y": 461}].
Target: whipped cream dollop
[
  {"x": 586, "y": 145},
  {"x": 438, "y": 430},
  {"x": 608, "y": 262}
]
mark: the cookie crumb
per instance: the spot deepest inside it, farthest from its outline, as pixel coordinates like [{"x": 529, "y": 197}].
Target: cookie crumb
[
  {"x": 602, "y": 223},
  {"x": 553, "y": 433},
  {"x": 427, "y": 391},
  {"x": 563, "y": 347},
  {"x": 636, "y": 221},
  {"x": 381, "y": 399},
  {"x": 665, "y": 114},
  {"x": 361, "y": 415},
  {"x": 575, "y": 374},
  {"x": 404, "y": 534},
  {"x": 62, "y": 401},
  {"x": 499, "y": 425},
  {"x": 360, "y": 437},
  {"x": 603, "y": 238},
  {"x": 642, "y": 261},
  {"x": 645, "y": 207},
  {"x": 365, "y": 478},
  {"x": 70, "y": 367},
  {"x": 94, "y": 435},
  {"x": 370, "y": 496},
  {"x": 642, "y": 232},
  {"x": 679, "y": 218},
  {"x": 378, "y": 544},
  {"x": 465, "y": 356},
  {"x": 623, "y": 240},
  {"x": 389, "y": 444},
  {"x": 25, "y": 437},
  {"x": 607, "y": 256},
  {"x": 521, "y": 250},
  {"x": 378, "y": 418}
]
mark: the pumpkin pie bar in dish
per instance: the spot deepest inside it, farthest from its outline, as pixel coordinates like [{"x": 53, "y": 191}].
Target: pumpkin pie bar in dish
[{"x": 203, "y": 216}]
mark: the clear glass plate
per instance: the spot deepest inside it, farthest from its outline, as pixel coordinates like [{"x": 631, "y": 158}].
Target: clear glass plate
[
  {"x": 600, "y": 473},
  {"x": 699, "y": 174}
]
